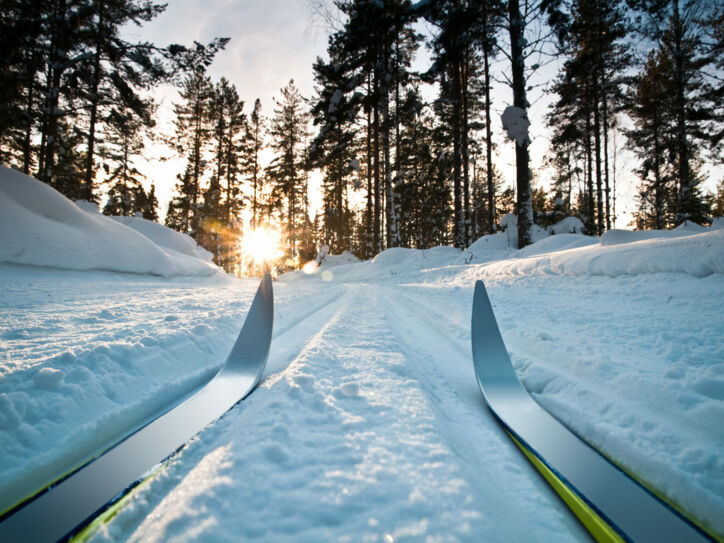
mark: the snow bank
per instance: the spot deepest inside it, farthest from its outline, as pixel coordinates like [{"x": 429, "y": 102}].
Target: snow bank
[
  {"x": 41, "y": 227},
  {"x": 622, "y": 253},
  {"x": 332, "y": 261},
  {"x": 553, "y": 244},
  {"x": 166, "y": 237},
  {"x": 569, "y": 225}
]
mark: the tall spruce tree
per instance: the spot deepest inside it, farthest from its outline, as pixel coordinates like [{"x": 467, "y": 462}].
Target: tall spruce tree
[
  {"x": 125, "y": 141},
  {"x": 652, "y": 138},
  {"x": 222, "y": 200},
  {"x": 457, "y": 66},
  {"x": 253, "y": 143},
  {"x": 288, "y": 132},
  {"x": 194, "y": 127},
  {"x": 679, "y": 28},
  {"x": 590, "y": 93},
  {"x": 335, "y": 147}
]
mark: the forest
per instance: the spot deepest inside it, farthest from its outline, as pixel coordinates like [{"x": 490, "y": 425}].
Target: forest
[{"x": 400, "y": 167}]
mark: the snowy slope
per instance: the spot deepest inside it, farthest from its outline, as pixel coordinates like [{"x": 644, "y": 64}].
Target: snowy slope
[
  {"x": 368, "y": 425},
  {"x": 40, "y": 227}
]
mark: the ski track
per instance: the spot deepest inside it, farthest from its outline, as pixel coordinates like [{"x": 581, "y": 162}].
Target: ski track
[
  {"x": 448, "y": 378},
  {"x": 607, "y": 388},
  {"x": 351, "y": 442},
  {"x": 148, "y": 366}
]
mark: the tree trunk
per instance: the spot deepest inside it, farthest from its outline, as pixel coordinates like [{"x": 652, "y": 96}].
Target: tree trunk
[
  {"x": 256, "y": 169},
  {"x": 464, "y": 72},
  {"x": 458, "y": 214},
  {"x": 605, "y": 156},
  {"x": 489, "y": 141},
  {"x": 522, "y": 159},
  {"x": 684, "y": 193},
  {"x": 368, "y": 210},
  {"x": 88, "y": 177},
  {"x": 53, "y": 96},
  {"x": 378, "y": 195},
  {"x": 590, "y": 204},
  {"x": 27, "y": 139},
  {"x": 597, "y": 150}
]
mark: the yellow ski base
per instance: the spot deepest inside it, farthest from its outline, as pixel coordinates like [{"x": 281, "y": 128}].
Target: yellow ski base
[
  {"x": 598, "y": 528},
  {"x": 107, "y": 515}
]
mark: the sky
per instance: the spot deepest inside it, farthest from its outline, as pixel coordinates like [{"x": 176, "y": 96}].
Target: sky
[{"x": 273, "y": 41}]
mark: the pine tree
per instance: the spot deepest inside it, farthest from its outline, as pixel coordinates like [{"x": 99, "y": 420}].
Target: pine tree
[
  {"x": 718, "y": 203},
  {"x": 114, "y": 70},
  {"x": 252, "y": 145},
  {"x": 652, "y": 138},
  {"x": 22, "y": 40},
  {"x": 221, "y": 200},
  {"x": 126, "y": 195},
  {"x": 462, "y": 26},
  {"x": 150, "y": 209},
  {"x": 334, "y": 149},
  {"x": 288, "y": 131},
  {"x": 193, "y": 134},
  {"x": 590, "y": 92},
  {"x": 178, "y": 213},
  {"x": 678, "y": 26}
]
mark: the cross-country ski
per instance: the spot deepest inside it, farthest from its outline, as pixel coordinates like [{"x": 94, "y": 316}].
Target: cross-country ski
[
  {"x": 611, "y": 504},
  {"x": 68, "y": 504}
]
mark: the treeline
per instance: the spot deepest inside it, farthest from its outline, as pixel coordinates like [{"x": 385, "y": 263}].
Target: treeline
[
  {"x": 76, "y": 111},
  {"x": 397, "y": 169}
]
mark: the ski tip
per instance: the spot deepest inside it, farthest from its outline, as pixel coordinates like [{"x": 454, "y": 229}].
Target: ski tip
[
  {"x": 481, "y": 304},
  {"x": 479, "y": 289},
  {"x": 251, "y": 350}
]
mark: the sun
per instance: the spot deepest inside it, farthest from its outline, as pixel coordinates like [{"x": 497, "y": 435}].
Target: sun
[{"x": 262, "y": 245}]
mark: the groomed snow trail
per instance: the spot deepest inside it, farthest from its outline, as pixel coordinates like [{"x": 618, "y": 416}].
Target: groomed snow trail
[
  {"x": 363, "y": 437},
  {"x": 88, "y": 358}
]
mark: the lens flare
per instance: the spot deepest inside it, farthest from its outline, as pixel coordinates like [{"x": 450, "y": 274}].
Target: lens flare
[{"x": 263, "y": 245}]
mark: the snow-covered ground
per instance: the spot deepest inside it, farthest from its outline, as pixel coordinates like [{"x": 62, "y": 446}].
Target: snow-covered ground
[{"x": 368, "y": 424}]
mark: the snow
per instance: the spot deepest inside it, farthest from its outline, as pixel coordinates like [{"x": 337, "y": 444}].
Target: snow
[
  {"x": 510, "y": 223},
  {"x": 516, "y": 124},
  {"x": 335, "y": 100},
  {"x": 165, "y": 237},
  {"x": 569, "y": 225},
  {"x": 40, "y": 227},
  {"x": 368, "y": 424}
]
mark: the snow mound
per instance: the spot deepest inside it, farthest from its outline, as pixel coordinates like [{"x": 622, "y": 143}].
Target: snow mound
[
  {"x": 41, "y": 227},
  {"x": 393, "y": 256},
  {"x": 491, "y": 245},
  {"x": 398, "y": 259},
  {"x": 510, "y": 223},
  {"x": 332, "y": 261},
  {"x": 559, "y": 242},
  {"x": 569, "y": 225},
  {"x": 616, "y": 237},
  {"x": 166, "y": 237},
  {"x": 629, "y": 253}
]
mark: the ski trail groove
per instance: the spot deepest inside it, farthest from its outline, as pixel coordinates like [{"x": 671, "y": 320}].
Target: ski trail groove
[
  {"x": 446, "y": 375},
  {"x": 343, "y": 444}
]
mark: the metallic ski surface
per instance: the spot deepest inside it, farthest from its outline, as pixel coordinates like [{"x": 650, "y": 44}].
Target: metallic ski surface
[
  {"x": 629, "y": 509},
  {"x": 57, "y": 512}
]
